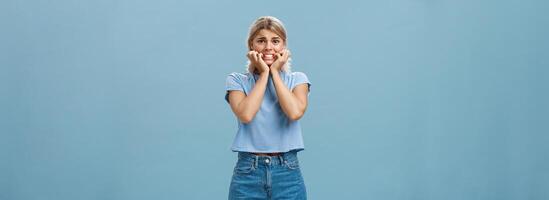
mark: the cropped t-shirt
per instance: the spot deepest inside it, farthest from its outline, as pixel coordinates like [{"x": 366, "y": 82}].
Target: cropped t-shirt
[{"x": 270, "y": 130}]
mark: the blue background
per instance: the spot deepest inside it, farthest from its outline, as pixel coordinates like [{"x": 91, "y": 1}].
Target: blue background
[{"x": 411, "y": 99}]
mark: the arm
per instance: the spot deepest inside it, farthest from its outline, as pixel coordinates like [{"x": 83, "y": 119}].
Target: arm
[
  {"x": 293, "y": 103},
  {"x": 245, "y": 107}
]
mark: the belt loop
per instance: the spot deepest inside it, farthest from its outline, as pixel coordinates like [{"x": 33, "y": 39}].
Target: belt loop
[
  {"x": 281, "y": 158},
  {"x": 255, "y": 161}
]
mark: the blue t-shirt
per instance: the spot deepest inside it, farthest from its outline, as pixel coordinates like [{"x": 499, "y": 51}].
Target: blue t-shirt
[{"x": 270, "y": 130}]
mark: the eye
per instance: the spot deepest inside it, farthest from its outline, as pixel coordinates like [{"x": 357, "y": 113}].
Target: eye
[
  {"x": 276, "y": 41},
  {"x": 260, "y": 41}
]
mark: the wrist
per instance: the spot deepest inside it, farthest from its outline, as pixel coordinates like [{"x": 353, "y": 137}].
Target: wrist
[{"x": 274, "y": 71}]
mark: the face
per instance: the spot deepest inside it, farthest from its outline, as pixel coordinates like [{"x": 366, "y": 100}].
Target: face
[{"x": 268, "y": 43}]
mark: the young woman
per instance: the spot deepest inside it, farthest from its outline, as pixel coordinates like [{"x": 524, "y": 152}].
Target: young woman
[{"x": 267, "y": 101}]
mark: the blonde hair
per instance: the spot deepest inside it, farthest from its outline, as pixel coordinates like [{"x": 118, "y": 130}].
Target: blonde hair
[{"x": 272, "y": 24}]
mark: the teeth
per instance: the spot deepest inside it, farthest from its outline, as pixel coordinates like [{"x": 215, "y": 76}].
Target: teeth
[{"x": 268, "y": 56}]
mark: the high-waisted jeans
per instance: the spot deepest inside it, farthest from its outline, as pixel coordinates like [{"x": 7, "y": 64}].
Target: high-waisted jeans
[{"x": 267, "y": 177}]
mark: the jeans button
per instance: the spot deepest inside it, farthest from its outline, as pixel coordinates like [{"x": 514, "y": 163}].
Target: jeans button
[{"x": 267, "y": 161}]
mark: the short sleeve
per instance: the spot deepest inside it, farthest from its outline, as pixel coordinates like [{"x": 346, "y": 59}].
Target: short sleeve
[
  {"x": 300, "y": 78},
  {"x": 233, "y": 82}
]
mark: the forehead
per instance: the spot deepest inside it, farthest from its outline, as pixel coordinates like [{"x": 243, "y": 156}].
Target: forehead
[{"x": 264, "y": 33}]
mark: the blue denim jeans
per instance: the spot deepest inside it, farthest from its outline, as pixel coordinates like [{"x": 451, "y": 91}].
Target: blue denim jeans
[{"x": 267, "y": 177}]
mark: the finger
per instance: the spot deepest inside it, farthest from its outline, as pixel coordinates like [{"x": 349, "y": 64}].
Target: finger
[
  {"x": 254, "y": 53},
  {"x": 254, "y": 56}
]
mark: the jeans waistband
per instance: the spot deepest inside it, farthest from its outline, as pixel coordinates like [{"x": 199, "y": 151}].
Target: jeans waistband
[{"x": 290, "y": 156}]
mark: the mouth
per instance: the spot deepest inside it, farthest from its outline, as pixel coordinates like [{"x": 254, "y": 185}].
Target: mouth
[{"x": 268, "y": 57}]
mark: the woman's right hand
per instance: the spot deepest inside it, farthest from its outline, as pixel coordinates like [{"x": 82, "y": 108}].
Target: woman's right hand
[{"x": 256, "y": 60}]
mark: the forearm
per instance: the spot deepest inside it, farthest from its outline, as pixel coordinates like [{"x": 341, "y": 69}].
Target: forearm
[
  {"x": 249, "y": 106},
  {"x": 289, "y": 103}
]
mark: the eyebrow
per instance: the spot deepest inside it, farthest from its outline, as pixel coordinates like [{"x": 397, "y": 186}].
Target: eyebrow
[{"x": 266, "y": 38}]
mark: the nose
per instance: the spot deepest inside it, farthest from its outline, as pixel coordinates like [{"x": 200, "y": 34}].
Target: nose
[{"x": 269, "y": 46}]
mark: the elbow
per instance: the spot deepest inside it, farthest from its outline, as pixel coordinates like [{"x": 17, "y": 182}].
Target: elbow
[
  {"x": 246, "y": 119},
  {"x": 295, "y": 116},
  {"x": 297, "y": 113}
]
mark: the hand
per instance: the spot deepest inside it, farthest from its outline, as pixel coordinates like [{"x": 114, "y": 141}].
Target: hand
[
  {"x": 281, "y": 60},
  {"x": 257, "y": 63}
]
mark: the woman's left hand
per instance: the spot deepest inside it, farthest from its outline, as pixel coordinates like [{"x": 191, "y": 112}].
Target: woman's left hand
[{"x": 281, "y": 60}]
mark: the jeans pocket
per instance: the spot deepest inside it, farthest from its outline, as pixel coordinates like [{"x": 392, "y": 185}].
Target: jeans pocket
[
  {"x": 244, "y": 167},
  {"x": 294, "y": 164}
]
